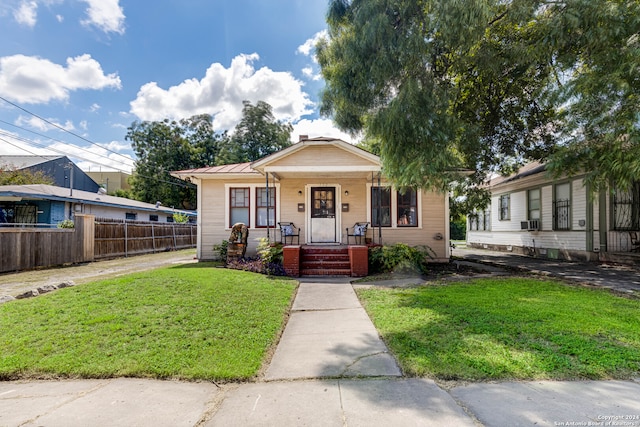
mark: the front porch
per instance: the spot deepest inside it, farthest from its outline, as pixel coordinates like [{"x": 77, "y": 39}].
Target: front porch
[{"x": 326, "y": 260}]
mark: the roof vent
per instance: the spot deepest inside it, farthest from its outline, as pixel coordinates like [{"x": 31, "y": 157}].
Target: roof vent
[{"x": 302, "y": 137}]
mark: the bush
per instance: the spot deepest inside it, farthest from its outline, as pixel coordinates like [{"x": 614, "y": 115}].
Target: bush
[
  {"x": 399, "y": 258},
  {"x": 222, "y": 249},
  {"x": 67, "y": 223}
]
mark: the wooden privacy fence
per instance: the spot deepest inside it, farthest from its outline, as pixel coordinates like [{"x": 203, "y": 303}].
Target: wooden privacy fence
[
  {"x": 116, "y": 238},
  {"x": 27, "y": 248}
]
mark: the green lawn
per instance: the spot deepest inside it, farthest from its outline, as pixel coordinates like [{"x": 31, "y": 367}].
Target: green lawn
[
  {"x": 191, "y": 322},
  {"x": 511, "y": 328}
]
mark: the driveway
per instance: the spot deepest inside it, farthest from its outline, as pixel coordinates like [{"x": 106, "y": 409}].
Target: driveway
[{"x": 621, "y": 278}]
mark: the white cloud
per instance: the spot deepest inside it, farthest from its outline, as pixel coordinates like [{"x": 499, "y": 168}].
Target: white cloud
[
  {"x": 94, "y": 107},
  {"x": 107, "y": 15},
  {"x": 60, "y": 18},
  {"x": 308, "y": 47},
  {"x": 11, "y": 144},
  {"x": 320, "y": 127},
  {"x": 34, "y": 80},
  {"x": 41, "y": 125},
  {"x": 26, "y": 14},
  {"x": 221, "y": 92}
]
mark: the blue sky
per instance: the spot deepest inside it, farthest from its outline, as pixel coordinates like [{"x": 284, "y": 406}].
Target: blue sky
[{"x": 92, "y": 67}]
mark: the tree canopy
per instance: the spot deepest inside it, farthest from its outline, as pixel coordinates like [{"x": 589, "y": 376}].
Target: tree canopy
[
  {"x": 486, "y": 85},
  {"x": 258, "y": 134},
  {"x": 169, "y": 145},
  {"x": 162, "y": 147},
  {"x": 12, "y": 175}
]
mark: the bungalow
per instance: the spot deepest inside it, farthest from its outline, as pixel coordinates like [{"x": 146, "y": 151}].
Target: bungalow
[
  {"x": 48, "y": 205},
  {"x": 323, "y": 186},
  {"x": 533, "y": 214}
]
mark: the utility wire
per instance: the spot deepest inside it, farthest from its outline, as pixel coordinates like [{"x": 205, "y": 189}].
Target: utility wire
[
  {"x": 61, "y": 128},
  {"x": 179, "y": 184}
]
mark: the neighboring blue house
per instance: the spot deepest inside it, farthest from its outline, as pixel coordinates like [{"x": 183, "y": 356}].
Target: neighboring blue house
[
  {"x": 59, "y": 168},
  {"x": 46, "y": 205}
]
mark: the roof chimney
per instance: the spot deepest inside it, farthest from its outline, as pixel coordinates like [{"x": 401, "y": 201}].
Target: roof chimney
[{"x": 302, "y": 137}]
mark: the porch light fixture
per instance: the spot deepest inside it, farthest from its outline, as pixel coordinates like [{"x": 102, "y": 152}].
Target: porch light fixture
[
  {"x": 299, "y": 192},
  {"x": 346, "y": 192}
]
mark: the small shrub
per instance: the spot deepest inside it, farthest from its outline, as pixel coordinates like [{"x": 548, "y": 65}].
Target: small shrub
[
  {"x": 67, "y": 223},
  {"x": 257, "y": 265},
  {"x": 180, "y": 218},
  {"x": 270, "y": 252},
  {"x": 399, "y": 258},
  {"x": 222, "y": 249}
]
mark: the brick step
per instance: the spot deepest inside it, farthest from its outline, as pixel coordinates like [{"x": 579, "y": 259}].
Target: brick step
[
  {"x": 325, "y": 250},
  {"x": 327, "y": 257},
  {"x": 325, "y": 272},
  {"x": 320, "y": 264}
]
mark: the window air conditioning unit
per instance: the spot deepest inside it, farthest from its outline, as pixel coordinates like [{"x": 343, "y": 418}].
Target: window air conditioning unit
[{"x": 531, "y": 225}]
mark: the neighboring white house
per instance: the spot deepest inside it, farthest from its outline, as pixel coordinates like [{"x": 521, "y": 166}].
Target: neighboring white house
[
  {"x": 48, "y": 205},
  {"x": 532, "y": 214}
]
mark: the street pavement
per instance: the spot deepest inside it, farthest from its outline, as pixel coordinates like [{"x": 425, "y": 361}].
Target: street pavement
[{"x": 330, "y": 369}]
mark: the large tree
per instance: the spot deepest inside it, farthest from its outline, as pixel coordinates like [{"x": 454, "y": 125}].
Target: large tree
[
  {"x": 165, "y": 146},
  {"x": 485, "y": 85},
  {"x": 258, "y": 134}
]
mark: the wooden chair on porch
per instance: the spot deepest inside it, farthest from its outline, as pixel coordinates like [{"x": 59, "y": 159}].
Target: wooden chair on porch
[
  {"x": 358, "y": 232},
  {"x": 635, "y": 241},
  {"x": 288, "y": 230}
]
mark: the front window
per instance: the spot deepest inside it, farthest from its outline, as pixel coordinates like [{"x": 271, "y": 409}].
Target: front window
[
  {"x": 381, "y": 206},
  {"x": 239, "y": 207},
  {"x": 504, "y": 207},
  {"x": 408, "y": 208},
  {"x": 265, "y": 207},
  {"x": 130, "y": 216},
  {"x": 153, "y": 217},
  {"x": 562, "y": 207},
  {"x": 533, "y": 197}
]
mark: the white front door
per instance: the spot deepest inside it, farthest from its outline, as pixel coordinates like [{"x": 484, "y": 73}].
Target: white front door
[{"x": 323, "y": 215}]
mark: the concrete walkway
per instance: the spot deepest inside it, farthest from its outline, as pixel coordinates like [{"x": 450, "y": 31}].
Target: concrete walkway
[{"x": 330, "y": 369}]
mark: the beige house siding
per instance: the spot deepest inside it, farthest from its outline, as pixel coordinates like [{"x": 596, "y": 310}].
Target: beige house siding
[{"x": 311, "y": 156}]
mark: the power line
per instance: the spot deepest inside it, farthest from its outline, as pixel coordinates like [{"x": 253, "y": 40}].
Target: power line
[
  {"x": 61, "y": 128},
  {"x": 179, "y": 184}
]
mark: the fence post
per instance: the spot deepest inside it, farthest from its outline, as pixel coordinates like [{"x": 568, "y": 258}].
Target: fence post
[
  {"x": 85, "y": 237},
  {"x": 153, "y": 238},
  {"x": 126, "y": 240},
  {"x": 173, "y": 229}
]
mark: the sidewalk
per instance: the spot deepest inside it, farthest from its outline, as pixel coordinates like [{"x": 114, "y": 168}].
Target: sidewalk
[{"x": 330, "y": 369}]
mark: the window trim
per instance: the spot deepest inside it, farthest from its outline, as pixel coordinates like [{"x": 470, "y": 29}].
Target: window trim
[{"x": 248, "y": 207}]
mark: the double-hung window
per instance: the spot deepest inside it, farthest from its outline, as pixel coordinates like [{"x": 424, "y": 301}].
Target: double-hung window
[
  {"x": 504, "y": 207},
  {"x": 381, "y": 206},
  {"x": 562, "y": 206},
  {"x": 533, "y": 205},
  {"x": 265, "y": 207},
  {"x": 239, "y": 206},
  {"x": 408, "y": 208}
]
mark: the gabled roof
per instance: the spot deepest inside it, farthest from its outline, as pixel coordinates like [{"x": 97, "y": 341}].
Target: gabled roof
[
  {"x": 529, "y": 169},
  {"x": 62, "y": 194}
]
